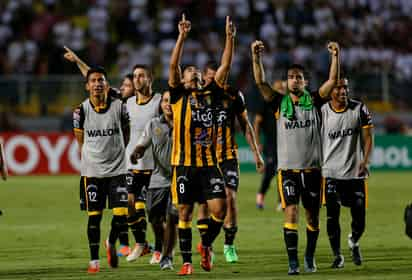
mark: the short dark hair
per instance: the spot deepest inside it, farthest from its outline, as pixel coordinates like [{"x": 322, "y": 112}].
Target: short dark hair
[
  {"x": 211, "y": 64},
  {"x": 96, "y": 69},
  {"x": 296, "y": 66},
  {"x": 128, "y": 76},
  {"x": 146, "y": 68},
  {"x": 185, "y": 66}
]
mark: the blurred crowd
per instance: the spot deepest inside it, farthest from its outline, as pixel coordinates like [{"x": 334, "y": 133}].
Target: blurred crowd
[{"x": 117, "y": 34}]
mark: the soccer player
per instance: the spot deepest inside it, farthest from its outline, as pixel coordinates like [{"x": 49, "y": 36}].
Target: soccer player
[
  {"x": 101, "y": 127},
  {"x": 299, "y": 150},
  {"x": 126, "y": 91},
  {"x": 142, "y": 107},
  {"x": 265, "y": 122},
  {"x": 231, "y": 107},
  {"x": 162, "y": 214},
  {"x": 196, "y": 177},
  {"x": 347, "y": 140}
]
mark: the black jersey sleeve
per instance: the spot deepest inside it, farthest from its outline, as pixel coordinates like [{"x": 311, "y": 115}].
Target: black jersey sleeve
[
  {"x": 176, "y": 93},
  {"x": 365, "y": 117}
]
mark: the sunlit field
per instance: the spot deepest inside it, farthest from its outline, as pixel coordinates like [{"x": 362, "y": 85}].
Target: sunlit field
[{"x": 43, "y": 236}]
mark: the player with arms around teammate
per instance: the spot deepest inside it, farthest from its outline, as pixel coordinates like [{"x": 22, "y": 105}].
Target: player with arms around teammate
[
  {"x": 347, "y": 140},
  {"x": 162, "y": 214},
  {"x": 196, "y": 177},
  {"x": 142, "y": 107},
  {"x": 299, "y": 150},
  {"x": 101, "y": 127},
  {"x": 232, "y": 106}
]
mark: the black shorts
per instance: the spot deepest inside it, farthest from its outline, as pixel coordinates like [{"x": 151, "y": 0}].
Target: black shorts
[
  {"x": 230, "y": 172},
  {"x": 158, "y": 204},
  {"x": 137, "y": 184},
  {"x": 345, "y": 192},
  {"x": 94, "y": 191},
  {"x": 196, "y": 184},
  {"x": 294, "y": 184}
]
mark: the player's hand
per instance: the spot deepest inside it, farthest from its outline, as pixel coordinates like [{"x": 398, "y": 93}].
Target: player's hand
[
  {"x": 257, "y": 48},
  {"x": 333, "y": 48},
  {"x": 137, "y": 154},
  {"x": 184, "y": 26},
  {"x": 70, "y": 55},
  {"x": 230, "y": 28},
  {"x": 260, "y": 164},
  {"x": 363, "y": 169}
]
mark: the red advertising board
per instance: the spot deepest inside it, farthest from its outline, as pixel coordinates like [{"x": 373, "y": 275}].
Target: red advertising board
[{"x": 41, "y": 153}]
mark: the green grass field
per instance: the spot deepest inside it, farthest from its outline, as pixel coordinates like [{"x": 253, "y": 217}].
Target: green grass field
[{"x": 43, "y": 236}]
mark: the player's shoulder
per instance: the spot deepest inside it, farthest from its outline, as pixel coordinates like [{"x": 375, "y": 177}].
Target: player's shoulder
[{"x": 354, "y": 103}]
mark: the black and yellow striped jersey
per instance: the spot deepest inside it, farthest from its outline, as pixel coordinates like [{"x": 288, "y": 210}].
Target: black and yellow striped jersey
[
  {"x": 231, "y": 105},
  {"x": 194, "y": 125}
]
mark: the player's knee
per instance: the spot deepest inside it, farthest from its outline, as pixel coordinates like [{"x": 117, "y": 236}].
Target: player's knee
[
  {"x": 230, "y": 198},
  {"x": 94, "y": 221},
  {"x": 157, "y": 220},
  {"x": 202, "y": 211},
  {"x": 359, "y": 204},
  {"x": 333, "y": 210},
  {"x": 173, "y": 218},
  {"x": 231, "y": 230}
]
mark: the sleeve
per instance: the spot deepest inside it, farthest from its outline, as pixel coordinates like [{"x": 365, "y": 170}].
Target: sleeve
[
  {"x": 146, "y": 138},
  {"x": 239, "y": 104},
  {"x": 176, "y": 93},
  {"x": 275, "y": 103},
  {"x": 78, "y": 118},
  {"x": 365, "y": 117},
  {"x": 124, "y": 118},
  {"x": 318, "y": 101}
]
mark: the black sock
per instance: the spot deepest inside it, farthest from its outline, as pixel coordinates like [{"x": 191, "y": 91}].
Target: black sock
[
  {"x": 358, "y": 219},
  {"x": 291, "y": 242},
  {"x": 311, "y": 240},
  {"x": 333, "y": 228},
  {"x": 158, "y": 244},
  {"x": 138, "y": 225},
  {"x": 230, "y": 234},
  {"x": 93, "y": 234},
  {"x": 212, "y": 231},
  {"x": 202, "y": 226},
  {"x": 185, "y": 243},
  {"x": 114, "y": 230},
  {"x": 123, "y": 231}
]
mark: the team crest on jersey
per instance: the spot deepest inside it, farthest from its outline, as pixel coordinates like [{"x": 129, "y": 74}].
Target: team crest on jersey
[{"x": 157, "y": 131}]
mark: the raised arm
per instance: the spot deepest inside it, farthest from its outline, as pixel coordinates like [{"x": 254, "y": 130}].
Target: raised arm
[
  {"x": 222, "y": 73},
  {"x": 265, "y": 89},
  {"x": 334, "y": 71},
  {"x": 72, "y": 57},
  {"x": 175, "y": 75},
  {"x": 251, "y": 139}
]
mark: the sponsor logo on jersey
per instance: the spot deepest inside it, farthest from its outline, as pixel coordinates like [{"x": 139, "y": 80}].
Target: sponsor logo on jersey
[
  {"x": 299, "y": 124},
  {"x": 102, "y": 132},
  {"x": 343, "y": 133},
  {"x": 205, "y": 117}
]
